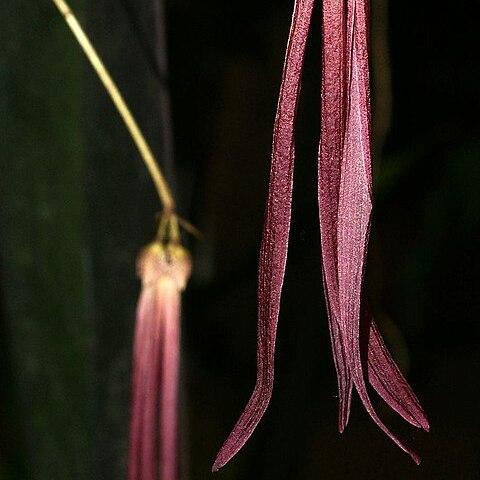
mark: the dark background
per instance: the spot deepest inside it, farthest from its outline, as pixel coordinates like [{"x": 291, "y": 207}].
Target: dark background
[{"x": 77, "y": 204}]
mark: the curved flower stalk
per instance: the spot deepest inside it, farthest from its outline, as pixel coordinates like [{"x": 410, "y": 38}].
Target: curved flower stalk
[
  {"x": 345, "y": 203},
  {"x": 164, "y": 267},
  {"x": 164, "y": 270}
]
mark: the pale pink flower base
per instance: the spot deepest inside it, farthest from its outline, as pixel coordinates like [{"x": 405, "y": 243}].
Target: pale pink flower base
[{"x": 153, "y": 450}]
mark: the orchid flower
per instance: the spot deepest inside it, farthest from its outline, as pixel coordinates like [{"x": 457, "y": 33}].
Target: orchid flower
[
  {"x": 164, "y": 269},
  {"x": 345, "y": 203}
]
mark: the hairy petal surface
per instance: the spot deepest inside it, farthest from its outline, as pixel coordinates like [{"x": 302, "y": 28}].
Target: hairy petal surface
[
  {"x": 335, "y": 69},
  {"x": 273, "y": 251},
  {"x": 386, "y": 378},
  {"x": 352, "y": 321}
]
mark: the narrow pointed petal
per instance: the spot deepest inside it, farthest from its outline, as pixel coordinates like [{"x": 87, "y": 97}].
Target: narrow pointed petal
[
  {"x": 385, "y": 376},
  {"x": 353, "y": 228},
  {"x": 334, "y": 113},
  {"x": 344, "y": 378},
  {"x": 273, "y": 252},
  {"x": 355, "y": 207}
]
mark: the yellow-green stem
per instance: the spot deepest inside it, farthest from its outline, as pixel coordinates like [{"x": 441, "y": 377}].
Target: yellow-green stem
[{"x": 158, "y": 179}]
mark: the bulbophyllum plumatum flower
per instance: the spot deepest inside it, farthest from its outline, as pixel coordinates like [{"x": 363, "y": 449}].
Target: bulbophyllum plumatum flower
[
  {"x": 164, "y": 268},
  {"x": 345, "y": 203}
]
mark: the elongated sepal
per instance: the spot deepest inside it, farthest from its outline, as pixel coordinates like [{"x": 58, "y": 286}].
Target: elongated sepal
[
  {"x": 273, "y": 251},
  {"x": 153, "y": 449}
]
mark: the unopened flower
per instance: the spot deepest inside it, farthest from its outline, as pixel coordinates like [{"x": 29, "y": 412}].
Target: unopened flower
[
  {"x": 345, "y": 203},
  {"x": 153, "y": 454}
]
